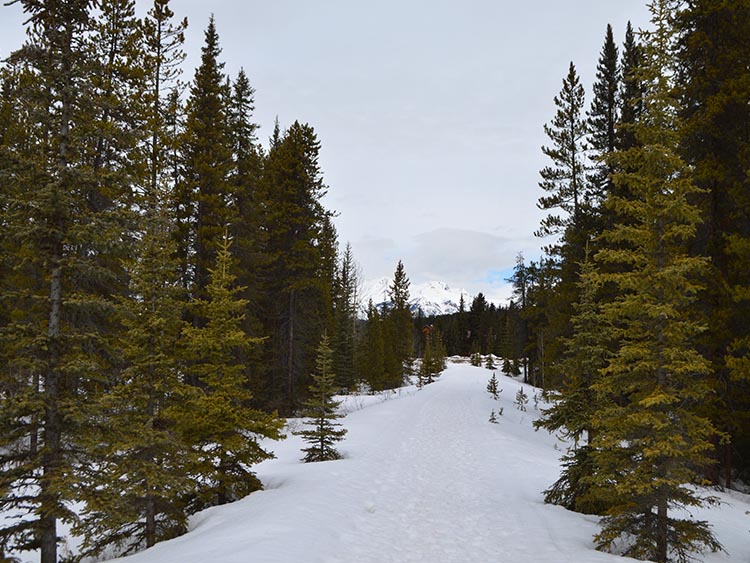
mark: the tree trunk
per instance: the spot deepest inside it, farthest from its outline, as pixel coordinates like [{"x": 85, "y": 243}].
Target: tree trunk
[
  {"x": 48, "y": 498},
  {"x": 290, "y": 353},
  {"x": 150, "y": 521},
  {"x": 662, "y": 526}
]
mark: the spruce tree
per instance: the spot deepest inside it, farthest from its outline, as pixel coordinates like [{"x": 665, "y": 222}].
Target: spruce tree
[
  {"x": 67, "y": 226},
  {"x": 649, "y": 442},
  {"x": 521, "y": 400},
  {"x": 400, "y": 329},
  {"x": 137, "y": 445},
  {"x": 372, "y": 351},
  {"x": 345, "y": 314},
  {"x": 163, "y": 42},
  {"x": 715, "y": 86},
  {"x": 574, "y": 405},
  {"x": 204, "y": 195},
  {"x": 603, "y": 117},
  {"x": 321, "y": 410},
  {"x": 631, "y": 90},
  {"x": 490, "y": 362},
  {"x": 565, "y": 179},
  {"x": 221, "y": 426},
  {"x": 296, "y": 292},
  {"x": 492, "y": 387},
  {"x": 433, "y": 357}
]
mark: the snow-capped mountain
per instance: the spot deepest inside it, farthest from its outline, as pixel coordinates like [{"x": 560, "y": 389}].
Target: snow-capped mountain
[{"x": 431, "y": 298}]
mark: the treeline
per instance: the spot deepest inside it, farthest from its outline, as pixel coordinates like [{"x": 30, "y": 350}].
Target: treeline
[
  {"x": 638, "y": 312},
  {"x": 485, "y": 328},
  {"x": 165, "y": 281}
]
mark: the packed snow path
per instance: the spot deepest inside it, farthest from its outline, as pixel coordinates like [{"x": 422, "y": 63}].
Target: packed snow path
[{"x": 426, "y": 479}]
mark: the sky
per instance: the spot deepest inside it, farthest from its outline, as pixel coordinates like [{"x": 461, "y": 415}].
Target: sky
[{"x": 430, "y": 113}]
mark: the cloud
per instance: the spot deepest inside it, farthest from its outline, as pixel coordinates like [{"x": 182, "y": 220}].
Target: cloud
[{"x": 457, "y": 254}]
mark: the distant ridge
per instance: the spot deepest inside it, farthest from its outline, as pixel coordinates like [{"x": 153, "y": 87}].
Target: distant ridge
[{"x": 432, "y": 298}]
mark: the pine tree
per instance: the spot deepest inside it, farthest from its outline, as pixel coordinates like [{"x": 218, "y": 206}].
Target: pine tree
[
  {"x": 67, "y": 225},
  {"x": 565, "y": 179},
  {"x": 715, "y": 86},
  {"x": 138, "y": 445},
  {"x": 574, "y": 406},
  {"x": 631, "y": 91},
  {"x": 204, "y": 196},
  {"x": 433, "y": 358},
  {"x": 521, "y": 400},
  {"x": 372, "y": 351},
  {"x": 602, "y": 119},
  {"x": 346, "y": 307},
  {"x": 492, "y": 387},
  {"x": 400, "y": 329},
  {"x": 321, "y": 410},
  {"x": 222, "y": 428},
  {"x": 490, "y": 362},
  {"x": 300, "y": 258},
  {"x": 649, "y": 442}
]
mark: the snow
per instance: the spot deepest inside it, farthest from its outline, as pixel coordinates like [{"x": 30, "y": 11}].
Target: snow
[
  {"x": 426, "y": 478},
  {"x": 431, "y": 297}
]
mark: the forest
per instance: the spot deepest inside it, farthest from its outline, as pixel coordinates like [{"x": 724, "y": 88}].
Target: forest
[{"x": 167, "y": 280}]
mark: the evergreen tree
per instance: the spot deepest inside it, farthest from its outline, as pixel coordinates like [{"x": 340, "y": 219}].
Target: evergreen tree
[
  {"x": 346, "y": 307},
  {"x": 565, "y": 179},
  {"x": 321, "y": 410},
  {"x": 603, "y": 117},
  {"x": 715, "y": 86},
  {"x": 574, "y": 406},
  {"x": 400, "y": 329},
  {"x": 163, "y": 42},
  {"x": 521, "y": 400},
  {"x": 631, "y": 91},
  {"x": 67, "y": 227},
  {"x": 204, "y": 196},
  {"x": 492, "y": 387},
  {"x": 433, "y": 358},
  {"x": 223, "y": 429},
  {"x": 296, "y": 295},
  {"x": 490, "y": 363},
  {"x": 372, "y": 351},
  {"x": 506, "y": 366},
  {"x": 649, "y": 442},
  {"x": 248, "y": 235},
  {"x": 137, "y": 445}
]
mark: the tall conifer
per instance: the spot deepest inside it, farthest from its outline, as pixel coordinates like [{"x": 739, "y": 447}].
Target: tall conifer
[
  {"x": 204, "y": 200},
  {"x": 649, "y": 442},
  {"x": 68, "y": 223},
  {"x": 220, "y": 424},
  {"x": 715, "y": 86},
  {"x": 603, "y": 117}
]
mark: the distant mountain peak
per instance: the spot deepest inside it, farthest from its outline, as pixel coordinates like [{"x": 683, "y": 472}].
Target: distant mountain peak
[{"x": 431, "y": 298}]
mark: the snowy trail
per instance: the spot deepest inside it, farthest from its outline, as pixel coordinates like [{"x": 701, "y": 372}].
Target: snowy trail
[
  {"x": 426, "y": 479},
  {"x": 447, "y": 496}
]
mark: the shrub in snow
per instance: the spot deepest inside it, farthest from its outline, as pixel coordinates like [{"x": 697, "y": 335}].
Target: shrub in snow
[
  {"x": 521, "y": 400},
  {"x": 490, "y": 362},
  {"x": 492, "y": 387},
  {"x": 321, "y": 410}
]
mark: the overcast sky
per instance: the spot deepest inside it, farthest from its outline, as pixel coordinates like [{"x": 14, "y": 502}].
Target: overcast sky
[{"x": 429, "y": 112}]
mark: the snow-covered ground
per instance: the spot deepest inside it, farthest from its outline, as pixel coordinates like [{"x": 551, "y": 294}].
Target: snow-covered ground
[{"x": 426, "y": 478}]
